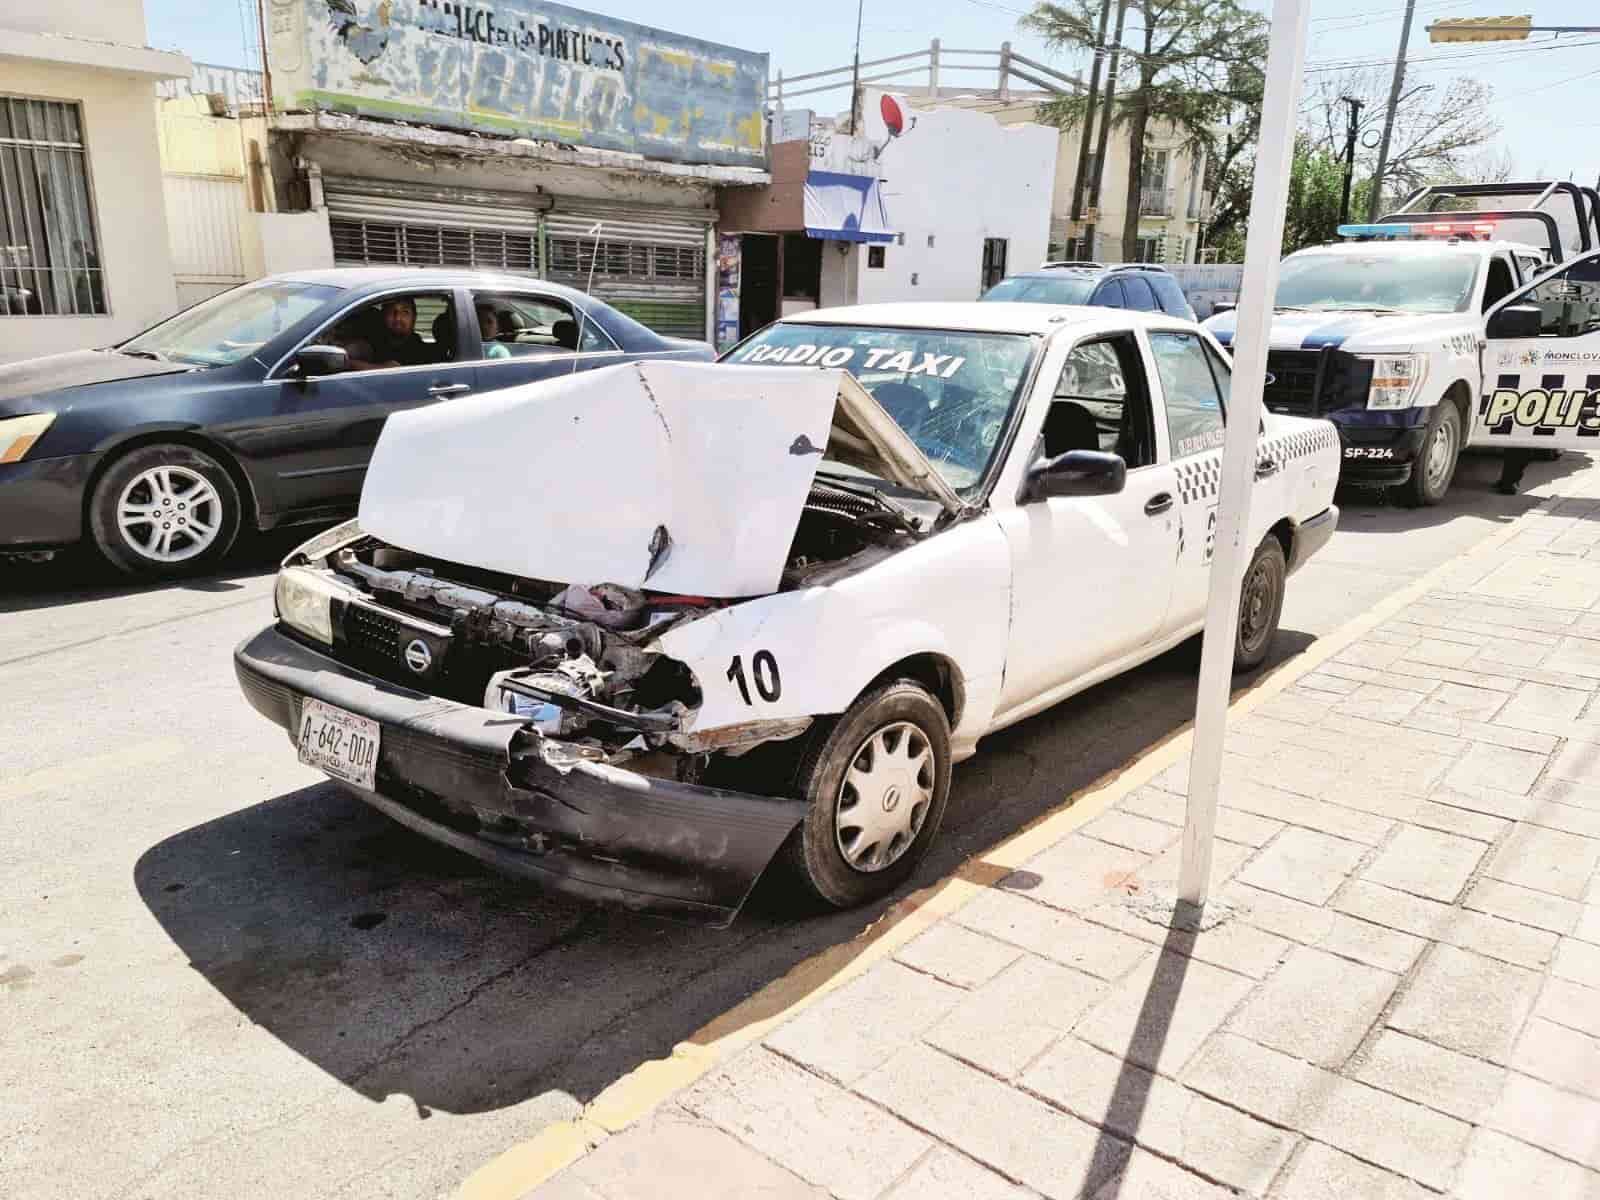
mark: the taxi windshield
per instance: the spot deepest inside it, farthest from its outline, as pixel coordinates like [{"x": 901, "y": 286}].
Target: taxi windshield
[
  {"x": 951, "y": 391},
  {"x": 1417, "y": 283},
  {"x": 226, "y": 328}
]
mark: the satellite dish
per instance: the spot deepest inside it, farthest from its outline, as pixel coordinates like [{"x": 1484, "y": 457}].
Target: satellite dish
[{"x": 894, "y": 117}]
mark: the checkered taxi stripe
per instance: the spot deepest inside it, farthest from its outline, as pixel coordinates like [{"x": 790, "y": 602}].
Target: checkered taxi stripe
[
  {"x": 1523, "y": 381},
  {"x": 1200, "y": 476}
]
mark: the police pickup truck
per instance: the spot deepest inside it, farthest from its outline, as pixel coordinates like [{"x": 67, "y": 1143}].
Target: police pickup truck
[{"x": 1433, "y": 330}]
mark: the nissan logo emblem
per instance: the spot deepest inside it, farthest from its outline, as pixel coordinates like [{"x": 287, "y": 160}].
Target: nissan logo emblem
[
  {"x": 418, "y": 657},
  {"x": 1270, "y": 379}
]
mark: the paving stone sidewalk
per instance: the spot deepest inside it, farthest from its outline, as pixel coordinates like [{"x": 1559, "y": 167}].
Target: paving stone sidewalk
[{"x": 1401, "y": 1000}]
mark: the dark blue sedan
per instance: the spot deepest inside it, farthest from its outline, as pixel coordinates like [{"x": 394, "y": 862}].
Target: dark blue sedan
[{"x": 262, "y": 404}]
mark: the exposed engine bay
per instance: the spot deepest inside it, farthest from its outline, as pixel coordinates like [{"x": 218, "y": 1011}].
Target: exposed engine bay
[{"x": 578, "y": 663}]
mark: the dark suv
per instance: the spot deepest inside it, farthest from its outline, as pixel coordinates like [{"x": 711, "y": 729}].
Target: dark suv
[{"x": 1138, "y": 286}]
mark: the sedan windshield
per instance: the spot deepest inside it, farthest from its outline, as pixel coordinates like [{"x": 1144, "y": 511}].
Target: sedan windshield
[
  {"x": 952, "y": 392},
  {"x": 231, "y": 326},
  {"x": 1068, "y": 289},
  {"x": 1419, "y": 283}
]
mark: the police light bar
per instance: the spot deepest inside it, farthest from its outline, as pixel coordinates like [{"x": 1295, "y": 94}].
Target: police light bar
[{"x": 1378, "y": 231}]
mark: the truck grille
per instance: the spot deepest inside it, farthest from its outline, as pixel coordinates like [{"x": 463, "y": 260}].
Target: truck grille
[
  {"x": 1292, "y": 386},
  {"x": 1313, "y": 383}
]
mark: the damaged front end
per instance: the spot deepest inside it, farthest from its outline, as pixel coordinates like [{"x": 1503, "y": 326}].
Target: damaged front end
[
  {"x": 536, "y": 722},
  {"x": 537, "y": 725}
]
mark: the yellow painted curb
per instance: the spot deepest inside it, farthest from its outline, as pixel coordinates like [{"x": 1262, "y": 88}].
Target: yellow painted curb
[{"x": 528, "y": 1164}]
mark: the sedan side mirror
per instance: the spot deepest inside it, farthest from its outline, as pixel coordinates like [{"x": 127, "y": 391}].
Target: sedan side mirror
[
  {"x": 1516, "y": 321},
  {"x": 1075, "y": 473},
  {"x": 312, "y": 361}
]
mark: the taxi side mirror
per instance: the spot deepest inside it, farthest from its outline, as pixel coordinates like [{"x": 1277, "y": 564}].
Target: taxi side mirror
[
  {"x": 1223, "y": 306},
  {"x": 1075, "y": 473},
  {"x": 1516, "y": 321}
]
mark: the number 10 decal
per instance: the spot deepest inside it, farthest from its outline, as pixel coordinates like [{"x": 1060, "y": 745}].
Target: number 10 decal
[{"x": 764, "y": 667}]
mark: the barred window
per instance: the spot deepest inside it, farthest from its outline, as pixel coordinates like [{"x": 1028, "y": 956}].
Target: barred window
[
  {"x": 639, "y": 260},
  {"x": 49, "y": 250},
  {"x": 371, "y": 242}
]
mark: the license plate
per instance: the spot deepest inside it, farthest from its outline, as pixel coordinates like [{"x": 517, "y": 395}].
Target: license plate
[
  {"x": 338, "y": 743},
  {"x": 1369, "y": 451}
]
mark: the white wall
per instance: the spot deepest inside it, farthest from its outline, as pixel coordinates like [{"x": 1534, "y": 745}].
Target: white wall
[
  {"x": 957, "y": 176},
  {"x": 119, "y": 115},
  {"x": 291, "y": 241},
  {"x": 102, "y": 20}
]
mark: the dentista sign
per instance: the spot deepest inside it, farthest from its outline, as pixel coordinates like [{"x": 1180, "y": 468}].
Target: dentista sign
[{"x": 542, "y": 71}]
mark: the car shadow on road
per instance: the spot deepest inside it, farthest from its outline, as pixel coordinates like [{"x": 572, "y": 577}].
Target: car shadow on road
[
  {"x": 1378, "y": 510},
  {"x": 77, "y": 575},
  {"x": 401, "y": 967}
]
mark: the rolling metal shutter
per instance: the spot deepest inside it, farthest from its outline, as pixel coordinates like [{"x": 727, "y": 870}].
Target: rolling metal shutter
[
  {"x": 382, "y": 223},
  {"x": 647, "y": 260}
]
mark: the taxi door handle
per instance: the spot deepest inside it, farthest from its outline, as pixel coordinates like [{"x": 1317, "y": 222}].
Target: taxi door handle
[
  {"x": 1265, "y": 469},
  {"x": 1158, "y": 504}
]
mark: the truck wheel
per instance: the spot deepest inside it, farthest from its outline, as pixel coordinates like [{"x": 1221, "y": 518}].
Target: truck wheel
[
  {"x": 877, "y": 786},
  {"x": 164, "y": 511},
  {"x": 1436, "y": 461},
  {"x": 1260, "y": 604}
]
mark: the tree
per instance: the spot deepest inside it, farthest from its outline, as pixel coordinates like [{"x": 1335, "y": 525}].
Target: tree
[
  {"x": 1194, "y": 62},
  {"x": 1316, "y": 185},
  {"x": 1440, "y": 130}
]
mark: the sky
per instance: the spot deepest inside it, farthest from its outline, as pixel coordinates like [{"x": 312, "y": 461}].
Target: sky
[{"x": 1546, "y": 90}]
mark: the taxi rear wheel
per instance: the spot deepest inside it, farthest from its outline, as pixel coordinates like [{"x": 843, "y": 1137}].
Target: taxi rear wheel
[
  {"x": 1260, "y": 604},
  {"x": 877, "y": 785},
  {"x": 1435, "y": 465}
]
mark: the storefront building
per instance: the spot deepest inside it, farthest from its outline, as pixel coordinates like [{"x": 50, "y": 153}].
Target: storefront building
[
  {"x": 924, "y": 204},
  {"x": 517, "y": 136},
  {"x": 84, "y": 259}
]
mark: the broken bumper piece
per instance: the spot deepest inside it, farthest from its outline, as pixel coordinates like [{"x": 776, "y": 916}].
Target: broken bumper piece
[{"x": 479, "y": 781}]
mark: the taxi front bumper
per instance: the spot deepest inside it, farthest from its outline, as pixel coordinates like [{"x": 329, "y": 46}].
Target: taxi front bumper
[{"x": 481, "y": 782}]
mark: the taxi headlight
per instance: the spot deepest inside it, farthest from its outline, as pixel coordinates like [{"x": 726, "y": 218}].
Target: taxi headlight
[
  {"x": 18, "y": 434},
  {"x": 1396, "y": 380},
  {"x": 304, "y": 601}
]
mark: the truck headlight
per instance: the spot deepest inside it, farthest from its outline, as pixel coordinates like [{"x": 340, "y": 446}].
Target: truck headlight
[
  {"x": 18, "y": 434},
  {"x": 1396, "y": 380},
  {"x": 304, "y": 601}
]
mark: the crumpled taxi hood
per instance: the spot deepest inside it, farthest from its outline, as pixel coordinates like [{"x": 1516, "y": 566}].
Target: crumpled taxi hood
[{"x": 678, "y": 477}]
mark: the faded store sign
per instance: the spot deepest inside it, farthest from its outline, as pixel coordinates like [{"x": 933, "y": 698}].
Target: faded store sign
[{"x": 523, "y": 68}]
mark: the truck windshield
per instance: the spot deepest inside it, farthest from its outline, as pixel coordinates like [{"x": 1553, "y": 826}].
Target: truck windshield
[
  {"x": 1419, "y": 283},
  {"x": 952, "y": 391},
  {"x": 228, "y": 327},
  {"x": 1034, "y": 289}
]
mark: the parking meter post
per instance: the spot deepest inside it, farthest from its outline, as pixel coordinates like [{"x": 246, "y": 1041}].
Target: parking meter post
[{"x": 1263, "y": 246}]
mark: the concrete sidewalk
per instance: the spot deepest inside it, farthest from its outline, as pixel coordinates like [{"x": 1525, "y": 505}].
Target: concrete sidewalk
[{"x": 1397, "y": 996}]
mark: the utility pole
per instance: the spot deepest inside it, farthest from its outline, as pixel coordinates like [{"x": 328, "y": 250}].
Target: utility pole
[
  {"x": 1376, "y": 198},
  {"x": 1105, "y": 126},
  {"x": 1079, "y": 182},
  {"x": 855, "y": 75},
  {"x": 1349, "y": 154}
]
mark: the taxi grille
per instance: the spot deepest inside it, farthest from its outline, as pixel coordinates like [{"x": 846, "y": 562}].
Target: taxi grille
[{"x": 372, "y": 635}]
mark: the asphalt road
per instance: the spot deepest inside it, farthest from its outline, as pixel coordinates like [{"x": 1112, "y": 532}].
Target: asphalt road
[{"x": 220, "y": 977}]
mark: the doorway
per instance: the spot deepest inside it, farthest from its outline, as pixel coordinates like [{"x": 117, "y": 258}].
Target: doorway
[{"x": 759, "y": 281}]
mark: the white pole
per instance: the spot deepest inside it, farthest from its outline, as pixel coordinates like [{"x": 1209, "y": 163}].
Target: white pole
[{"x": 1263, "y": 245}]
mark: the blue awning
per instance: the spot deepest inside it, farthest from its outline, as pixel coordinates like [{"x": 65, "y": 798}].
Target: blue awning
[{"x": 846, "y": 208}]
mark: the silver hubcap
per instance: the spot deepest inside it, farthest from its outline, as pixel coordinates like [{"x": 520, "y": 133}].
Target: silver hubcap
[
  {"x": 169, "y": 514},
  {"x": 885, "y": 797},
  {"x": 1441, "y": 452}
]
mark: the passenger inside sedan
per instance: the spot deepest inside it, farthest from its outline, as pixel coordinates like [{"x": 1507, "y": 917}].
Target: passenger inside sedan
[{"x": 386, "y": 336}]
